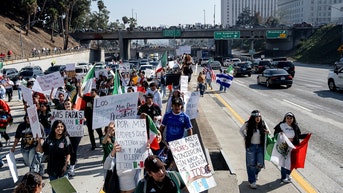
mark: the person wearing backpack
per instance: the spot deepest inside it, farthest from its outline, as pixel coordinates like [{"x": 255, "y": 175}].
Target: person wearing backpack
[{"x": 158, "y": 180}]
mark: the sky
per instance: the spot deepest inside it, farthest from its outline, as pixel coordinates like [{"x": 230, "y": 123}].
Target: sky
[{"x": 163, "y": 12}]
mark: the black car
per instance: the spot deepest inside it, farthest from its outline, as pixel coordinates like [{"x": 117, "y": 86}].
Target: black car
[
  {"x": 11, "y": 73},
  {"x": 273, "y": 77},
  {"x": 261, "y": 66},
  {"x": 55, "y": 68},
  {"x": 241, "y": 69},
  {"x": 29, "y": 75},
  {"x": 286, "y": 65}
]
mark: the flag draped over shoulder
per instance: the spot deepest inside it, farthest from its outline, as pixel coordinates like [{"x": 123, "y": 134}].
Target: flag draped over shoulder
[
  {"x": 162, "y": 63},
  {"x": 152, "y": 134},
  {"x": 225, "y": 79},
  {"x": 298, "y": 155},
  {"x": 280, "y": 154}
]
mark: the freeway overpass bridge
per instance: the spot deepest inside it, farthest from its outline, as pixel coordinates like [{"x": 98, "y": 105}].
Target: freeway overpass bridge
[{"x": 277, "y": 39}]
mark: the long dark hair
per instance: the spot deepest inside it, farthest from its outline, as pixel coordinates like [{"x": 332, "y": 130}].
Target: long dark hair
[
  {"x": 29, "y": 183},
  {"x": 54, "y": 126},
  {"x": 253, "y": 126}
]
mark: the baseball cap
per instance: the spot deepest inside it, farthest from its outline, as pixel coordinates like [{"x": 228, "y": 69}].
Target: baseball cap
[
  {"x": 153, "y": 164},
  {"x": 149, "y": 95},
  {"x": 177, "y": 101}
]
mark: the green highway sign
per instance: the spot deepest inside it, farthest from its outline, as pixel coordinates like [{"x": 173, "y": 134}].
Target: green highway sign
[
  {"x": 276, "y": 34},
  {"x": 224, "y": 35},
  {"x": 171, "y": 32}
]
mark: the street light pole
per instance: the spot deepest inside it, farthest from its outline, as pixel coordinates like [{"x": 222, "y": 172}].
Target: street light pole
[{"x": 204, "y": 17}]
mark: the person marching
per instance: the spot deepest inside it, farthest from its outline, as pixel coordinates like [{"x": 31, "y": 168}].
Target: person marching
[{"x": 254, "y": 131}]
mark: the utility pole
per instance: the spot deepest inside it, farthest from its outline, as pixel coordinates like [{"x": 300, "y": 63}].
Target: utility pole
[
  {"x": 214, "y": 15},
  {"x": 204, "y": 17}
]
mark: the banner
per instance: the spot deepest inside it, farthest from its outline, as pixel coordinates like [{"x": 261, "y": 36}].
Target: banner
[
  {"x": 49, "y": 81},
  {"x": 191, "y": 104},
  {"x": 191, "y": 162},
  {"x": 113, "y": 107},
  {"x": 131, "y": 135},
  {"x": 73, "y": 119}
]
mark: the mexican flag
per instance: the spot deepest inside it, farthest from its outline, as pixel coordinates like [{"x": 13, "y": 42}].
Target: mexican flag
[
  {"x": 298, "y": 154},
  {"x": 85, "y": 88},
  {"x": 152, "y": 134},
  {"x": 162, "y": 63},
  {"x": 116, "y": 84}
]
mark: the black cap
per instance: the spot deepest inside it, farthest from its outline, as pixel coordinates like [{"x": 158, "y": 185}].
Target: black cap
[
  {"x": 153, "y": 164},
  {"x": 152, "y": 84},
  {"x": 177, "y": 101},
  {"x": 149, "y": 95}
]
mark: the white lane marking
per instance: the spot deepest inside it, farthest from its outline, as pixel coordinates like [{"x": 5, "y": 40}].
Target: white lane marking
[
  {"x": 240, "y": 83},
  {"x": 304, "y": 108}
]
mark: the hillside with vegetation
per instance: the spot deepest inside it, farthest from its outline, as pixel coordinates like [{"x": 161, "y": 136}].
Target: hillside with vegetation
[{"x": 321, "y": 47}]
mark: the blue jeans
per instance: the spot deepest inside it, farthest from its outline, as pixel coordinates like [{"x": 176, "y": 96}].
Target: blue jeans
[
  {"x": 201, "y": 88},
  {"x": 163, "y": 90},
  {"x": 254, "y": 161},
  {"x": 284, "y": 173},
  {"x": 28, "y": 155},
  {"x": 222, "y": 88},
  {"x": 19, "y": 93},
  {"x": 36, "y": 165}
]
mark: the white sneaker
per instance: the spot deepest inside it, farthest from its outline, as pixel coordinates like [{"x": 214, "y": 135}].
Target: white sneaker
[
  {"x": 71, "y": 172},
  {"x": 253, "y": 185},
  {"x": 286, "y": 180}
]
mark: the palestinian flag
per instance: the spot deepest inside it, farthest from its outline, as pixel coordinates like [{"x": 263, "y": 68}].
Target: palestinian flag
[{"x": 152, "y": 134}]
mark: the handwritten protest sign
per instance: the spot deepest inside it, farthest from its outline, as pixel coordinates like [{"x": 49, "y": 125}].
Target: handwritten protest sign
[
  {"x": 113, "y": 107},
  {"x": 191, "y": 162},
  {"x": 102, "y": 72},
  {"x": 131, "y": 135},
  {"x": 12, "y": 165},
  {"x": 27, "y": 95},
  {"x": 72, "y": 119},
  {"x": 124, "y": 67},
  {"x": 191, "y": 103},
  {"x": 70, "y": 67},
  {"x": 184, "y": 84},
  {"x": 49, "y": 81},
  {"x": 34, "y": 121}
]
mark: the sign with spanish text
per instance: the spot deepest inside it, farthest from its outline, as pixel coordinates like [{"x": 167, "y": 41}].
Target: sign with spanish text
[
  {"x": 74, "y": 121},
  {"x": 34, "y": 121},
  {"x": 49, "y": 81},
  {"x": 27, "y": 95},
  {"x": 191, "y": 104},
  {"x": 184, "y": 84},
  {"x": 131, "y": 135},
  {"x": 191, "y": 162},
  {"x": 113, "y": 107}
]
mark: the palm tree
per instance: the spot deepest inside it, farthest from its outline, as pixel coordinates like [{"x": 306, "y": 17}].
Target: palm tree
[
  {"x": 30, "y": 7},
  {"x": 53, "y": 13}
]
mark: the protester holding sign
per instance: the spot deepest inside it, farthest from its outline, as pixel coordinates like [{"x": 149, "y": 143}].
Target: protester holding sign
[
  {"x": 176, "y": 122},
  {"x": 28, "y": 142},
  {"x": 158, "y": 179},
  {"x": 254, "y": 132},
  {"x": 58, "y": 147}
]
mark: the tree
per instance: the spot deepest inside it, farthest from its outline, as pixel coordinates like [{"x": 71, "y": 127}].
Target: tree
[
  {"x": 244, "y": 18},
  {"x": 53, "y": 15},
  {"x": 30, "y": 7},
  {"x": 272, "y": 22}
]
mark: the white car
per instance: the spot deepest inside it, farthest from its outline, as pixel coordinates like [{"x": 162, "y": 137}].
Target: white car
[
  {"x": 335, "y": 79},
  {"x": 81, "y": 71},
  {"x": 149, "y": 71}
]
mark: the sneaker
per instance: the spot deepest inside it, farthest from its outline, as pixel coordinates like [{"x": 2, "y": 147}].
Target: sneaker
[
  {"x": 93, "y": 148},
  {"x": 71, "y": 172},
  {"x": 256, "y": 177},
  {"x": 8, "y": 143},
  {"x": 286, "y": 180},
  {"x": 253, "y": 185}
]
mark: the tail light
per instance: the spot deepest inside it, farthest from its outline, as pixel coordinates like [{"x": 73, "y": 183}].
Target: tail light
[{"x": 290, "y": 77}]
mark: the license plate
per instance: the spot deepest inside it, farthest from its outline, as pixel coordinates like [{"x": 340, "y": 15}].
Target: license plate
[{"x": 282, "y": 78}]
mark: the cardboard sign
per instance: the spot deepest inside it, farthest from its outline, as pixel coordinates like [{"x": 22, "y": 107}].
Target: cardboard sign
[
  {"x": 27, "y": 95},
  {"x": 74, "y": 121},
  {"x": 70, "y": 67},
  {"x": 184, "y": 84},
  {"x": 191, "y": 162},
  {"x": 131, "y": 135},
  {"x": 113, "y": 107},
  {"x": 62, "y": 185},
  {"x": 12, "y": 165},
  {"x": 191, "y": 104},
  {"x": 49, "y": 81},
  {"x": 34, "y": 121}
]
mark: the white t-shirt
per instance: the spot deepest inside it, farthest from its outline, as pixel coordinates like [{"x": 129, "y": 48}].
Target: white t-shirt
[{"x": 287, "y": 130}]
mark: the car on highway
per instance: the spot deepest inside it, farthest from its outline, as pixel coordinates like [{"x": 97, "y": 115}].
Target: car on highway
[
  {"x": 38, "y": 69},
  {"x": 81, "y": 71},
  {"x": 335, "y": 79},
  {"x": 99, "y": 66},
  {"x": 242, "y": 69},
  {"x": 149, "y": 71},
  {"x": 338, "y": 64},
  {"x": 275, "y": 77},
  {"x": 85, "y": 64},
  {"x": 230, "y": 61},
  {"x": 286, "y": 65},
  {"x": 261, "y": 66},
  {"x": 55, "y": 68},
  {"x": 215, "y": 65},
  {"x": 30, "y": 75},
  {"x": 11, "y": 73}
]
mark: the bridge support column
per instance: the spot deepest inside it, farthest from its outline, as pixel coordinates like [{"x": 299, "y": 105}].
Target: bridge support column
[{"x": 222, "y": 48}]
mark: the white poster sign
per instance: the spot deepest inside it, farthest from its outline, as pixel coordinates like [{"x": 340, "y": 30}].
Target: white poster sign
[
  {"x": 49, "y": 81},
  {"x": 191, "y": 162},
  {"x": 113, "y": 107},
  {"x": 102, "y": 72},
  {"x": 72, "y": 119},
  {"x": 34, "y": 121},
  {"x": 70, "y": 67},
  {"x": 12, "y": 165},
  {"x": 27, "y": 95},
  {"x": 191, "y": 103},
  {"x": 124, "y": 67},
  {"x": 131, "y": 135},
  {"x": 184, "y": 84}
]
